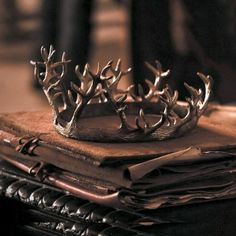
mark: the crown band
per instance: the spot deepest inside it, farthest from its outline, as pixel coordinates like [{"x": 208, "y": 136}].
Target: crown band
[{"x": 95, "y": 109}]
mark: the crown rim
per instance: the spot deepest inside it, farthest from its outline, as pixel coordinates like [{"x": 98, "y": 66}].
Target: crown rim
[{"x": 173, "y": 119}]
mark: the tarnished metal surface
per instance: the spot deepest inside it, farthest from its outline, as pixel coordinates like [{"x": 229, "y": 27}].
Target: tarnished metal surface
[{"x": 69, "y": 104}]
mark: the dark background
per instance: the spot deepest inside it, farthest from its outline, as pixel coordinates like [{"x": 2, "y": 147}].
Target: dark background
[{"x": 186, "y": 36}]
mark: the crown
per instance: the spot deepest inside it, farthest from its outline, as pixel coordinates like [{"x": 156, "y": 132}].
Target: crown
[{"x": 95, "y": 109}]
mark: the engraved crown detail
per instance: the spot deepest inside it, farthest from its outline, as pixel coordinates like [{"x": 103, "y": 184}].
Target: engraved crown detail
[{"x": 155, "y": 115}]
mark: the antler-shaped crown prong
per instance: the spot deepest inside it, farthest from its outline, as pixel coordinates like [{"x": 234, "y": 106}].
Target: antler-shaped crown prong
[{"x": 166, "y": 117}]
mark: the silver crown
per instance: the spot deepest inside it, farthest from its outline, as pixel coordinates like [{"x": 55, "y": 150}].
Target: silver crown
[{"x": 96, "y": 109}]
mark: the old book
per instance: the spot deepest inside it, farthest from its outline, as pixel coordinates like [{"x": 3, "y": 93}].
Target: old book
[{"x": 195, "y": 168}]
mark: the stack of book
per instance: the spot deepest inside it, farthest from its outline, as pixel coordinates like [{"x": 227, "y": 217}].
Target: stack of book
[{"x": 52, "y": 185}]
